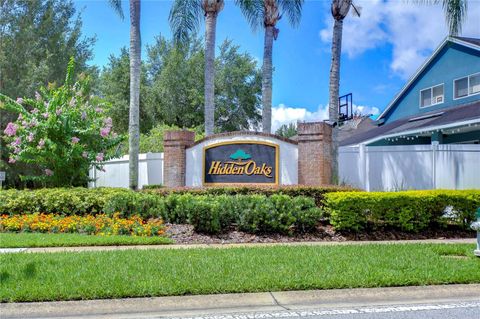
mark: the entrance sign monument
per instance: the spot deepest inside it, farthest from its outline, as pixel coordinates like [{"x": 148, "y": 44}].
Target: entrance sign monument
[
  {"x": 248, "y": 158},
  {"x": 241, "y": 162}
]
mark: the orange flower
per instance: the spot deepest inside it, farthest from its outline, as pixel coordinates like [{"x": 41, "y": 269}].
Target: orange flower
[{"x": 99, "y": 224}]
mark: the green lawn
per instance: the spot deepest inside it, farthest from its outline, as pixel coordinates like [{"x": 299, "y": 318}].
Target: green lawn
[
  {"x": 12, "y": 240},
  {"x": 139, "y": 273}
]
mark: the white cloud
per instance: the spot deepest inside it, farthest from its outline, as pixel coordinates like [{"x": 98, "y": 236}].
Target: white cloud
[
  {"x": 283, "y": 114},
  {"x": 413, "y": 30},
  {"x": 359, "y": 34},
  {"x": 366, "y": 110}
]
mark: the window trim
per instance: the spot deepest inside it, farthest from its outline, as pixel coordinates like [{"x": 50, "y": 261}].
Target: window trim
[
  {"x": 431, "y": 95},
  {"x": 468, "y": 86}
]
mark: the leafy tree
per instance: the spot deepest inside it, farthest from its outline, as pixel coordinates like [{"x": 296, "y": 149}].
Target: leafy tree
[
  {"x": 238, "y": 88},
  {"x": 177, "y": 81},
  {"x": 176, "y": 76},
  {"x": 114, "y": 86},
  {"x": 266, "y": 13},
  {"x": 287, "y": 131},
  {"x": 184, "y": 19},
  {"x": 135, "y": 74},
  {"x": 153, "y": 140},
  {"x": 61, "y": 132},
  {"x": 37, "y": 39}
]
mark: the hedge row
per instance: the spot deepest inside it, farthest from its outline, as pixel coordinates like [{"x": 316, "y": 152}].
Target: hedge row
[
  {"x": 277, "y": 213},
  {"x": 80, "y": 201},
  {"x": 315, "y": 192},
  {"x": 254, "y": 210},
  {"x": 250, "y": 213},
  {"x": 408, "y": 211},
  {"x": 67, "y": 201}
]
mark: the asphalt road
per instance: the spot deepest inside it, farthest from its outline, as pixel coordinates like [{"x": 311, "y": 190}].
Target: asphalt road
[{"x": 467, "y": 310}]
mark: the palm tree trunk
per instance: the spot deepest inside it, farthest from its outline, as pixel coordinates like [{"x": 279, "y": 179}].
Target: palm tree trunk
[
  {"x": 135, "y": 65},
  {"x": 210, "y": 29},
  {"x": 267, "y": 79},
  {"x": 334, "y": 92}
]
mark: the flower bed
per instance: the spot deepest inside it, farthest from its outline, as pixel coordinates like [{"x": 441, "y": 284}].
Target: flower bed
[{"x": 93, "y": 225}]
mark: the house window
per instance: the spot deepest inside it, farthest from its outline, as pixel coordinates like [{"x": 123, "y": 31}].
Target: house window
[
  {"x": 466, "y": 86},
  {"x": 431, "y": 96},
  {"x": 474, "y": 86}
]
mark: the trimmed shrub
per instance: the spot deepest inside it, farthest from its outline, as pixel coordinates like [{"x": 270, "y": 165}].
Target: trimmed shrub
[
  {"x": 315, "y": 192},
  {"x": 132, "y": 203},
  {"x": 306, "y": 214},
  {"x": 157, "y": 186},
  {"x": 253, "y": 213},
  {"x": 81, "y": 201},
  {"x": 411, "y": 211},
  {"x": 205, "y": 216},
  {"x": 178, "y": 208}
]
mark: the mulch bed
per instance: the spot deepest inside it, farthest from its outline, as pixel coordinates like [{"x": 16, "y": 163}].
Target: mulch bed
[{"x": 184, "y": 234}]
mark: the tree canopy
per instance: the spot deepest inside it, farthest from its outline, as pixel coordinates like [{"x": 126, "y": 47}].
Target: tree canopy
[
  {"x": 37, "y": 40},
  {"x": 172, "y": 87}
]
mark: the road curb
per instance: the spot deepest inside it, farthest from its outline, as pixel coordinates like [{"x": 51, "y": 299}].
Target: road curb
[{"x": 249, "y": 302}]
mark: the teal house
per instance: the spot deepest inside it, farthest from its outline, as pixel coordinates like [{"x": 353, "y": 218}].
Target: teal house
[{"x": 439, "y": 104}]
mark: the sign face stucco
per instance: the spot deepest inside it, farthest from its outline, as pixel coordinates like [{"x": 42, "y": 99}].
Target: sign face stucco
[{"x": 241, "y": 162}]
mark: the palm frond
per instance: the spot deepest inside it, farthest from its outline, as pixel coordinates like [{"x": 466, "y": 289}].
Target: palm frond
[
  {"x": 117, "y": 6},
  {"x": 356, "y": 10},
  {"x": 253, "y": 10},
  {"x": 184, "y": 18},
  {"x": 455, "y": 13},
  {"x": 293, "y": 10}
]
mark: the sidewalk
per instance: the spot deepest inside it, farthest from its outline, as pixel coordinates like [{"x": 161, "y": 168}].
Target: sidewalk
[
  {"x": 193, "y": 246},
  {"x": 238, "y": 303}
]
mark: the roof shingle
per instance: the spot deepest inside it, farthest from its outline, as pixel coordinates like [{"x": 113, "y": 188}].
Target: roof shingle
[{"x": 450, "y": 115}]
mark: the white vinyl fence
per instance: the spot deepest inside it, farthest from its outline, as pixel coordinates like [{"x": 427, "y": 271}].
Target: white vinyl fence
[
  {"x": 115, "y": 172},
  {"x": 390, "y": 168}
]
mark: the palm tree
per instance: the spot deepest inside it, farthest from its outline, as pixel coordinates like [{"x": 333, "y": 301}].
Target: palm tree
[
  {"x": 455, "y": 14},
  {"x": 340, "y": 9},
  {"x": 184, "y": 20},
  {"x": 135, "y": 65},
  {"x": 267, "y": 13}
]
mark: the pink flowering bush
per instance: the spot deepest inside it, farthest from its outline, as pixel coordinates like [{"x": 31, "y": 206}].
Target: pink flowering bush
[{"x": 62, "y": 132}]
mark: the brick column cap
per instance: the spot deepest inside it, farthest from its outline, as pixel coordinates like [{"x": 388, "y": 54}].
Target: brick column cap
[
  {"x": 178, "y": 138},
  {"x": 313, "y": 131}
]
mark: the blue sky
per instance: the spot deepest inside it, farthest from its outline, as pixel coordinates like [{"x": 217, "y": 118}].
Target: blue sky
[{"x": 381, "y": 49}]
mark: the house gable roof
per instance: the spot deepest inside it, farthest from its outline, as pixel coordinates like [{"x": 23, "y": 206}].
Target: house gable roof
[
  {"x": 471, "y": 43},
  {"x": 447, "y": 117}
]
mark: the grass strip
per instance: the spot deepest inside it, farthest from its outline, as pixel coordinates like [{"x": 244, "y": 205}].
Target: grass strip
[
  {"x": 15, "y": 240},
  {"x": 144, "y": 273}
]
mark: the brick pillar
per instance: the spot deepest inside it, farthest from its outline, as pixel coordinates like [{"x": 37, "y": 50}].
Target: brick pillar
[
  {"x": 314, "y": 153},
  {"x": 174, "y": 156}
]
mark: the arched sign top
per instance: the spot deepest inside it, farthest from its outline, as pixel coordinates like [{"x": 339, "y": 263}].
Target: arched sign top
[
  {"x": 245, "y": 134},
  {"x": 241, "y": 162}
]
